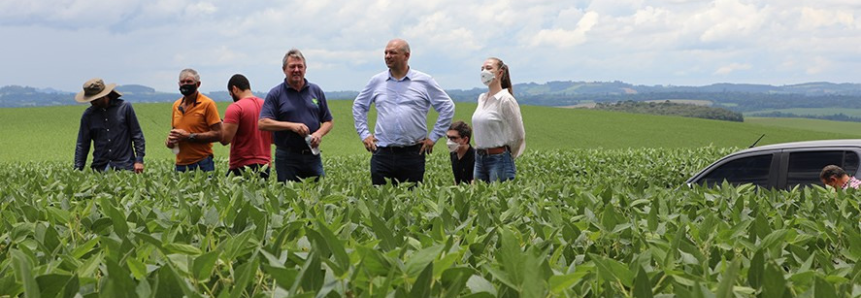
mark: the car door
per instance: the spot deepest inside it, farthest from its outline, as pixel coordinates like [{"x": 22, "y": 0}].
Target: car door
[{"x": 802, "y": 166}]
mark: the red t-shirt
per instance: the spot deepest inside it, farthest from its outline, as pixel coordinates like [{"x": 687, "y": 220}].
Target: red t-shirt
[{"x": 250, "y": 145}]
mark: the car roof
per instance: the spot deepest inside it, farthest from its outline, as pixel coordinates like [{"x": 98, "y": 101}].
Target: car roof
[{"x": 806, "y": 144}]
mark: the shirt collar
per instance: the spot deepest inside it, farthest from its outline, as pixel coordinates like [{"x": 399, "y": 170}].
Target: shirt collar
[
  {"x": 407, "y": 77},
  {"x": 304, "y": 86},
  {"x": 196, "y": 98},
  {"x": 498, "y": 95}
]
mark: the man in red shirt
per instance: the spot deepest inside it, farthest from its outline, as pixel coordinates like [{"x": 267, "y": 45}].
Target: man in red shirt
[{"x": 251, "y": 148}]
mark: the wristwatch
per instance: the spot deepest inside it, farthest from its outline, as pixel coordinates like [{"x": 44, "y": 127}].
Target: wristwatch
[{"x": 192, "y": 137}]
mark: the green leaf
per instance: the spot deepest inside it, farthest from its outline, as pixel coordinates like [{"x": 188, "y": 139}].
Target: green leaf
[
  {"x": 387, "y": 241},
  {"x": 84, "y": 248},
  {"x": 454, "y": 280},
  {"x": 24, "y": 269},
  {"x": 823, "y": 289},
  {"x": 728, "y": 280},
  {"x": 244, "y": 274},
  {"x": 611, "y": 270},
  {"x": 420, "y": 259},
  {"x": 774, "y": 239},
  {"x": 560, "y": 283},
  {"x": 501, "y": 277},
  {"x": 422, "y": 286},
  {"x": 202, "y": 266},
  {"x": 149, "y": 239},
  {"x": 510, "y": 255},
  {"x": 478, "y": 284},
  {"x": 89, "y": 267},
  {"x": 51, "y": 284},
  {"x": 311, "y": 275},
  {"x": 121, "y": 227},
  {"x": 336, "y": 247},
  {"x": 756, "y": 271},
  {"x": 119, "y": 282},
  {"x": 774, "y": 284},
  {"x": 284, "y": 277},
  {"x": 642, "y": 285},
  {"x": 137, "y": 268},
  {"x": 181, "y": 249}
]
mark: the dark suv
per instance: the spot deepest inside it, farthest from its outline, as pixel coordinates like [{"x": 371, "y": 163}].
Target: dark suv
[{"x": 782, "y": 166}]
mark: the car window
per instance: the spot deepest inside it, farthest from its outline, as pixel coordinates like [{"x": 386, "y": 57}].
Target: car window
[
  {"x": 752, "y": 169},
  {"x": 804, "y": 167}
]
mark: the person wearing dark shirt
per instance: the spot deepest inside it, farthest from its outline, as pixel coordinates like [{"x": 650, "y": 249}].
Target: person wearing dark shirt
[
  {"x": 462, "y": 154},
  {"x": 297, "y": 112},
  {"x": 111, "y": 125}
]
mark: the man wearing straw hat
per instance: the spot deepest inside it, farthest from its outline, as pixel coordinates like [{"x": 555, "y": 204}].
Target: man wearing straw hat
[{"x": 111, "y": 125}]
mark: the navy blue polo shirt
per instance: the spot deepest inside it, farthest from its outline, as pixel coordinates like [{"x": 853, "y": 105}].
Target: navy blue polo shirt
[{"x": 308, "y": 106}]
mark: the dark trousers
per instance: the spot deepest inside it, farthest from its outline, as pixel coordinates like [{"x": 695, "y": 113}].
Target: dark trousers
[
  {"x": 295, "y": 165},
  {"x": 399, "y": 164},
  {"x": 254, "y": 168}
]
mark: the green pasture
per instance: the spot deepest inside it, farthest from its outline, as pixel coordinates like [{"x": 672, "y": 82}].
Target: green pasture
[
  {"x": 49, "y": 133},
  {"x": 813, "y": 111},
  {"x": 815, "y": 125}
]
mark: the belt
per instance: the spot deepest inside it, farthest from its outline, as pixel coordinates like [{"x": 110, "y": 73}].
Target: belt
[
  {"x": 305, "y": 151},
  {"x": 492, "y": 151},
  {"x": 412, "y": 148}
]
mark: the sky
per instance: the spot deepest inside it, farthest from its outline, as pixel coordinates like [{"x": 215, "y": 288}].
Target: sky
[{"x": 62, "y": 43}]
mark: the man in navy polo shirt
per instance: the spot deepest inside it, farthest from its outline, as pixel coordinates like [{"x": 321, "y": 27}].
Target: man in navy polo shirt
[{"x": 297, "y": 112}]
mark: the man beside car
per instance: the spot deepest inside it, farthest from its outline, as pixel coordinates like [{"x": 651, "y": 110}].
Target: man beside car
[{"x": 836, "y": 177}]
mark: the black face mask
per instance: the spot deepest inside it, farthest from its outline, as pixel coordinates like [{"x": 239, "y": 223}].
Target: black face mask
[{"x": 188, "y": 89}]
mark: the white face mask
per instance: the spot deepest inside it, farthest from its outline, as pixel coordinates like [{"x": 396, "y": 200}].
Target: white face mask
[
  {"x": 452, "y": 146},
  {"x": 487, "y": 76}
]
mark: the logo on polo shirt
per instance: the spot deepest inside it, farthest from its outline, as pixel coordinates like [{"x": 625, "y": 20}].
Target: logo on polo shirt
[{"x": 315, "y": 101}]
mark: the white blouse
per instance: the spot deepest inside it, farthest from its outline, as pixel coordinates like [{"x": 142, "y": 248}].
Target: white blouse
[{"x": 497, "y": 122}]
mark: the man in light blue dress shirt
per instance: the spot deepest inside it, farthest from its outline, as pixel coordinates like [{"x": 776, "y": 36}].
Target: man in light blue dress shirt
[{"x": 403, "y": 98}]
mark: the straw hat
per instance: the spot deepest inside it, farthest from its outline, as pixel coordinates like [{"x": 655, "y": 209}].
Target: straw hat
[{"x": 95, "y": 89}]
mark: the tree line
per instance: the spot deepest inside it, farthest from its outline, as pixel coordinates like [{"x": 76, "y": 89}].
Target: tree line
[{"x": 671, "y": 109}]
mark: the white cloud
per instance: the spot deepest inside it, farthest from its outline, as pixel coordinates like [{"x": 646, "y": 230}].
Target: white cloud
[
  {"x": 640, "y": 41},
  {"x": 562, "y": 38},
  {"x": 727, "y": 69}
]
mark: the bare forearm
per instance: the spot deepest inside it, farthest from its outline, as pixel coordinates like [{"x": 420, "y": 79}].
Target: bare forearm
[
  {"x": 272, "y": 125},
  {"x": 325, "y": 128},
  {"x": 208, "y": 137}
]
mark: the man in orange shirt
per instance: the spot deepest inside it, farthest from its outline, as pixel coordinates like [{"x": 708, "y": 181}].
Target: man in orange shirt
[{"x": 196, "y": 125}]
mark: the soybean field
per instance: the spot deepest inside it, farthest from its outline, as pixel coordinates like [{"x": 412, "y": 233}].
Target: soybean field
[{"x": 575, "y": 223}]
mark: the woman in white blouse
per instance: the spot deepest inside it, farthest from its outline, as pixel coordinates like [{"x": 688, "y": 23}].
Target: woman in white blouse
[{"x": 497, "y": 125}]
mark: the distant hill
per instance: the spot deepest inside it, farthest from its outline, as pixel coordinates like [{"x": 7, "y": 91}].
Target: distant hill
[{"x": 744, "y": 98}]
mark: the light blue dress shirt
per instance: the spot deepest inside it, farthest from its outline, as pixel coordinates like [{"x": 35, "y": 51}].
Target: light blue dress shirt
[{"x": 402, "y": 109}]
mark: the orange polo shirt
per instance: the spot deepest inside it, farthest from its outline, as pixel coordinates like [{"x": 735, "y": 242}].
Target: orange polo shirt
[{"x": 196, "y": 119}]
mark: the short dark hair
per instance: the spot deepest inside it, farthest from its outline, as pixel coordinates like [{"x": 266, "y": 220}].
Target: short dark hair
[
  {"x": 462, "y": 129},
  {"x": 239, "y": 81},
  {"x": 831, "y": 171}
]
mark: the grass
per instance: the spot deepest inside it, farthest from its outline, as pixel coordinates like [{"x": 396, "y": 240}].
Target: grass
[
  {"x": 815, "y": 125},
  {"x": 49, "y": 133},
  {"x": 813, "y": 111}
]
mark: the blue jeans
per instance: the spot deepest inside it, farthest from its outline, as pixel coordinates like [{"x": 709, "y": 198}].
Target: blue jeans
[
  {"x": 206, "y": 165},
  {"x": 399, "y": 164},
  {"x": 497, "y": 167},
  {"x": 293, "y": 166}
]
